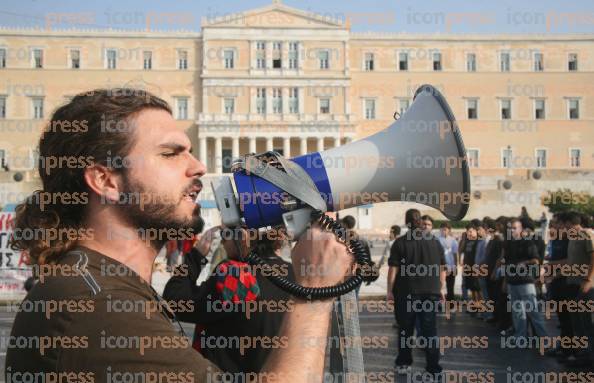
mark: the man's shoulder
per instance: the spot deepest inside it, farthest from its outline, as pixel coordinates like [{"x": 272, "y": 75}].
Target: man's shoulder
[{"x": 78, "y": 274}]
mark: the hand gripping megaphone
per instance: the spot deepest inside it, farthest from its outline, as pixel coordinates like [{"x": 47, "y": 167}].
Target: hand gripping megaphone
[{"x": 419, "y": 158}]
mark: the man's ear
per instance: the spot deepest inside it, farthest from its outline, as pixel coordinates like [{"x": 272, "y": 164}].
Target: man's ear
[{"x": 103, "y": 181}]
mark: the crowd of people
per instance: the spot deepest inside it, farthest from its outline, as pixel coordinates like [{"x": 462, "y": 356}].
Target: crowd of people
[
  {"x": 510, "y": 277},
  {"x": 506, "y": 271}
]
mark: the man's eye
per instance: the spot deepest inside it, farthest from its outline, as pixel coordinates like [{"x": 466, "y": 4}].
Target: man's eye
[{"x": 168, "y": 154}]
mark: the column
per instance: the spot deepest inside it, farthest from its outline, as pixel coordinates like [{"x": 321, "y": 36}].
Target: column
[
  {"x": 269, "y": 144},
  {"x": 218, "y": 155},
  {"x": 205, "y": 92},
  {"x": 268, "y": 54},
  {"x": 252, "y": 54},
  {"x": 303, "y": 145},
  {"x": 203, "y": 151},
  {"x": 252, "y": 145},
  {"x": 235, "y": 147},
  {"x": 287, "y": 147},
  {"x": 268, "y": 91},
  {"x": 301, "y": 100},
  {"x": 336, "y": 142},
  {"x": 285, "y": 93},
  {"x": 320, "y": 144},
  {"x": 347, "y": 100}
]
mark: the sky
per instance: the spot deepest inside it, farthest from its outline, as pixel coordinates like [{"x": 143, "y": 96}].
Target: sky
[{"x": 413, "y": 16}]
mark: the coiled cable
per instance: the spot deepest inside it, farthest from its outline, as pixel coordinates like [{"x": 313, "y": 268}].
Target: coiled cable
[{"x": 364, "y": 273}]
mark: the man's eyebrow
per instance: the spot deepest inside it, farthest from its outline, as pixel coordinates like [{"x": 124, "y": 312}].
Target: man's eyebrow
[{"x": 176, "y": 147}]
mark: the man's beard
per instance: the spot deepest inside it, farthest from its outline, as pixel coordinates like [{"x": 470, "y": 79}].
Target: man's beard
[{"x": 156, "y": 214}]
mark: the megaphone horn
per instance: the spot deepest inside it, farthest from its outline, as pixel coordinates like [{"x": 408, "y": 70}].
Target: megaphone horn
[{"x": 419, "y": 158}]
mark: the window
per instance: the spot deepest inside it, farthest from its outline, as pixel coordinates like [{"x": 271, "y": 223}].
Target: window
[
  {"x": 504, "y": 62},
  {"x": 574, "y": 108},
  {"x": 506, "y": 110},
  {"x": 471, "y": 62},
  {"x": 368, "y": 61},
  {"x": 37, "y": 58},
  {"x": 403, "y": 61},
  {"x": 293, "y": 100},
  {"x": 37, "y": 107},
  {"x": 506, "y": 158},
  {"x": 472, "y": 108},
  {"x": 277, "y": 55},
  {"x": 3, "y": 163},
  {"x": 228, "y": 59},
  {"x": 227, "y": 158},
  {"x": 324, "y": 57},
  {"x": 261, "y": 100},
  {"x": 277, "y": 100},
  {"x": 2, "y": 58},
  {"x": 436, "y": 61},
  {"x": 324, "y": 105},
  {"x": 260, "y": 55},
  {"x": 2, "y": 107},
  {"x": 182, "y": 60},
  {"x": 541, "y": 158},
  {"x": 572, "y": 62},
  {"x": 229, "y": 105},
  {"x": 111, "y": 59},
  {"x": 539, "y": 109},
  {"x": 370, "y": 109},
  {"x": 538, "y": 62},
  {"x": 473, "y": 158},
  {"x": 404, "y": 104},
  {"x": 575, "y": 158},
  {"x": 147, "y": 60},
  {"x": 74, "y": 59},
  {"x": 182, "y": 108},
  {"x": 293, "y": 55}
]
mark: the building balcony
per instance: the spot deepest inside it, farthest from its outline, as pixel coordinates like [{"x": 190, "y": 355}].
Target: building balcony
[{"x": 206, "y": 118}]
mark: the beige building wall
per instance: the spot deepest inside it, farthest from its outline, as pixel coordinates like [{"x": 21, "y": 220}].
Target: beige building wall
[{"x": 347, "y": 82}]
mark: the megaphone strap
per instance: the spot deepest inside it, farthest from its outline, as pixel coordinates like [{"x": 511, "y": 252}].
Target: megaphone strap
[{"x": 293, "y": 180}]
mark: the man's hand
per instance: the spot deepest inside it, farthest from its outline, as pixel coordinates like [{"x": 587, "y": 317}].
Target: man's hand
[
  {"x": 205, "y": 241},
  {"x": 389, "y": 296},
  {"x": 319, "y": 259},
  {"x": 236, "y": 242}
]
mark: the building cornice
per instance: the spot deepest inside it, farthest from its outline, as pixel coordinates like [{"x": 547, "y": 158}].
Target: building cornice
[
  {"x": 362, "y": 36},
  {"x": 97, "y": 32}
]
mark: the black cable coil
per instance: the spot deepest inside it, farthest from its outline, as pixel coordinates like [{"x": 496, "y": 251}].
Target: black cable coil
[{"x": 365, "y": 273}]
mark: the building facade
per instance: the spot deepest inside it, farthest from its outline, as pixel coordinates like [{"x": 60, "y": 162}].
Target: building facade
[{"x": 289, "y": 80}]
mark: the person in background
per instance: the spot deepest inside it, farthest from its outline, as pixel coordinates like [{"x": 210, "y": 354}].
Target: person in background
[
  {"x": 522, "y": 268},
  {"x": 394, "y": 233},
  {"x": 349, "y": 222},
  {"x": 469, "y": 272},
  {"x": 558, "y": 288},
  {"x": 481, "y": 261},
  {"x": 460, "y": 255},
  {"x": 413, "y": 289},
  {"x": 536, "y": 237},
  {"x": 427, "y": 224},
  {"x": 493, "y": 254},
  {"x": 450, "y": 250},
  {"x": 580, "y": 254},
  {"x": 222, "y": 304}
]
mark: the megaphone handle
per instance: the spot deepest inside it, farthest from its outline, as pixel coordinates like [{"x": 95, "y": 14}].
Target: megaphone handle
[{"x": 362, "y": 258}]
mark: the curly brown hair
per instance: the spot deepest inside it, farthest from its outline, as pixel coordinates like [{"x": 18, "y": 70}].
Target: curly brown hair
[{"x": 94, "y": 126}]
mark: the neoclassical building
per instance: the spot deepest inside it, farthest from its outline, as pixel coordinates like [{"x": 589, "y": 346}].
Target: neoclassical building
[{"x": 289, "y": 80}]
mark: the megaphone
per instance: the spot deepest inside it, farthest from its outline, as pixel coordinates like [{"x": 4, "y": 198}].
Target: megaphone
[{"x": 419, "y": 158}]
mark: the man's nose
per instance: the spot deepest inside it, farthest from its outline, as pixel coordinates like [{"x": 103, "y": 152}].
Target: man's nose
[{"x": 196, "y": 168}]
